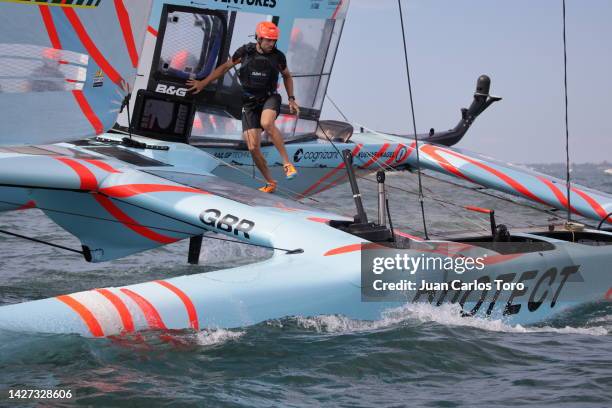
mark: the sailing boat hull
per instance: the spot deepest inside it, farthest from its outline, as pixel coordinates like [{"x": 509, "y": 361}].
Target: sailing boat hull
[{"x": 309, "y": 285}]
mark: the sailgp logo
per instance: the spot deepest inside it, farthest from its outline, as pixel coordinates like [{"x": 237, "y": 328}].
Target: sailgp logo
[
  {"x": 401, "y": 155},
  {"x": 171, "y": 90}
]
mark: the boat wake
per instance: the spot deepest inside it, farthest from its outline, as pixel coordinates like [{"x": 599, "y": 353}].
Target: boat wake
[
  {"x": 446, "y": 314},
  {"x": 216, "y": 337}
]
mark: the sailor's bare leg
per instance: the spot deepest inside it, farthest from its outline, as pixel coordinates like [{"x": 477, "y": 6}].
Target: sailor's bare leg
[
  {"x": 253, "y": 141},
  {"x": 267, "y": 122}
]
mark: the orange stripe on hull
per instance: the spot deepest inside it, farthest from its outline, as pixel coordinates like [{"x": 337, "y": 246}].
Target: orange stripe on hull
[
  {"x": 102, "y": 165},
  {"x": 151, "y": 314},
  {"x": 191, "y": 310},
  {"x": 129, "y": 190},
  {"x": 124, "y": 313},
  {"x": 594, "y": 204},
  {"x": 329, "y": 174},
  {"x": 131, "y": 223},
  {"x": 88, "y": 318},
  {"x": 88, "y": 179},
  {"x": 375, "y": 158},
  {"x": 352, "y": 248}
]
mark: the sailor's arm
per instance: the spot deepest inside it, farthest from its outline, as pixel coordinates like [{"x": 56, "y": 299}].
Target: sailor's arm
[
  {"x": 197, "y": 86},
  {"x": 288, "y": 80}
]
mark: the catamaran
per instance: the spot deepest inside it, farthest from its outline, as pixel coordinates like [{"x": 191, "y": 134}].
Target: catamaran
[{"x": 99, "y": 133}]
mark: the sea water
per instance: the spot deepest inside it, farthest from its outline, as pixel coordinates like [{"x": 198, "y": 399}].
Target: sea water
[{"x": 415, "y": 355}]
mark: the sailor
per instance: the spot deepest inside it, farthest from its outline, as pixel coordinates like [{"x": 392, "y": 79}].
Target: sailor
[{"x": 261, "y": 62}]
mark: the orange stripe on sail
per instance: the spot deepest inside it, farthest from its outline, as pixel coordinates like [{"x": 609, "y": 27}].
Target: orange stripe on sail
[
  {"x": 50, "y": 26},
  {"x": 126, "y": 29},
  {"x": 337, "y": 9},
  {"x": 88, "y": 111},
  {"x": 91, "y": 47}
]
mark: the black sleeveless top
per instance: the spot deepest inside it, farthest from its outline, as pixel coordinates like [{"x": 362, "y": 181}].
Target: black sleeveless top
[{"x": 259, "y": 72}]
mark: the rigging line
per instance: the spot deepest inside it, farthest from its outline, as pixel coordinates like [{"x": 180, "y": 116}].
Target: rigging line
[
  {"x": 442, "y": 202},
  {"x": 337, "y": 108},
  {"x": 369, "y": 155},
  {"x": 416, "y": 136},
  {"x": 128, "y": 113},
  {"x": 250, "y": 243},
  {"x": 135, "y": 224},
  {"x": 604, "y": 220},
  {"x": 382, "y": 166},
  {"x": 567, "y": 155},
  {"x": 41, "y": 242},
  {"x": 93, "y": 217},
  {"x": 392, "y": 170},
  {"x": 447, "y": 205},
  {"x": 478, "y": 191},
  {"x": 193, "y": 225},
  {"x": 246, "y": 173}
]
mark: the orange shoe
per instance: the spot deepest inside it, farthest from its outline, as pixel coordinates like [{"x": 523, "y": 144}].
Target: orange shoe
[
  {"x": 290, "y": 171},
  {"x": 268, "y": 188}
]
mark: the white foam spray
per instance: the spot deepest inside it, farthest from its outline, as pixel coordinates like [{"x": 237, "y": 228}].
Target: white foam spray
[{"x": 446, "y": 314}]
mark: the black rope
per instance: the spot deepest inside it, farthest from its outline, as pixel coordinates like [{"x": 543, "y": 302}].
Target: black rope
[
  {"x": 41, "y": 242},
  {"x": 604, "y": 220},
  {"x": 416, "y": 137},
  {"x": 567, "y": 155},
  {"x": 288, "y": 251}
]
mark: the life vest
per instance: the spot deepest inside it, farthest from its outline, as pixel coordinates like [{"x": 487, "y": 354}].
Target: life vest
[{"x": 257, "y": 72}]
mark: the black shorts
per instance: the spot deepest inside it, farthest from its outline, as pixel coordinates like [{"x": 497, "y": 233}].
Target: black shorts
[{"x": 252, "y": 108}]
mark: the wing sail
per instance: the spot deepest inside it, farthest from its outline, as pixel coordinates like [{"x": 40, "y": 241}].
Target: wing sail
[{"x": 66, "y": 75}]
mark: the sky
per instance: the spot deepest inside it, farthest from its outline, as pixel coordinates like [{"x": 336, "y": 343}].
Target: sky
[{"x": 518, "y": 43}]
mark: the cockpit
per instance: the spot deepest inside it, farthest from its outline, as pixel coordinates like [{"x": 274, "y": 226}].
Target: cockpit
[{"x": 192, "y": 42}]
